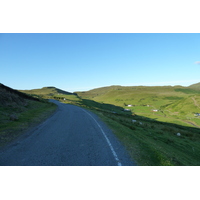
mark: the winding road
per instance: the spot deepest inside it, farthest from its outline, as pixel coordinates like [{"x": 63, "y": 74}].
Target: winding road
[{"x": 72, "y": 136}]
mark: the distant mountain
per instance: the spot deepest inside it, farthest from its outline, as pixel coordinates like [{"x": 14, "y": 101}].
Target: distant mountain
[
  {"x": 47, "y": 92},
  {"x": 195, "y": 86}
]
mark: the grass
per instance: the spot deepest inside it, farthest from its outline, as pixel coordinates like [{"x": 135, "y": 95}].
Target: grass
[
  {"x": 46, "y": 92},
  {"x": 152, "y": 140},
  {"x": 149, "y": 142},
  {"x": 175, "y": 104},
  {"x": 35, "y": 112},
  {"x": 152, "y": 143},
  {"x": 27, "y": 111}
]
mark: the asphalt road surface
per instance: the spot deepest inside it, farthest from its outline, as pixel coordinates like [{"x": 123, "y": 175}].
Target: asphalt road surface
[{"x": 72, "y": 136}]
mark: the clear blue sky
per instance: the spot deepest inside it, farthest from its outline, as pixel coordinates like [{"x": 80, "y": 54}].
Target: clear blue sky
[{"x": 79, "y": 62}]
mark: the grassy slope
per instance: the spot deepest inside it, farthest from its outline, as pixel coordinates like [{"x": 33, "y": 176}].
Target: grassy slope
[
  {"x": 153, "y": 143},
  {"x": 46, "y": 92},
  {"x": 27, "y": 112},
  {"x": 53, "y": 93},
  {"x": 195, "y": 86},
  {"x": 175, "y": 104},
  {"x": 149, "y": 141},
  {"x": 152, "y": 140}
]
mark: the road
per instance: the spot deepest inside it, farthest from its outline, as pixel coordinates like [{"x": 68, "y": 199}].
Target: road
[{"x": 72, "y": 136}]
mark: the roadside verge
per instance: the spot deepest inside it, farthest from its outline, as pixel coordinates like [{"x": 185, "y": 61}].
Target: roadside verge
[{"x": 25, "y": 118}]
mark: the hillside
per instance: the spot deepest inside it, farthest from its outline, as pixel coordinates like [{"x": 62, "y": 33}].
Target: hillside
[
  {"x": 18, "y": 111},
  {"x": 174, "y": 104},
  {"x": 10, "y": 96},
  {"x": 47, "y": 92},
  {"x": 168, "y": 136},
  {"x": 161, "y": 126},
  {"x": 54, "y": 93},
  {"x": 195, "y": 86}
]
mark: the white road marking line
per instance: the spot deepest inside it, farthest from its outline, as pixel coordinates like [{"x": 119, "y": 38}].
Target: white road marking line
[{"x": 108, "y": 141}]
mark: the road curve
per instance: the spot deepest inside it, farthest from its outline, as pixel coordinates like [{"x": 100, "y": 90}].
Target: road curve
[{"x": 73, "y": 136}]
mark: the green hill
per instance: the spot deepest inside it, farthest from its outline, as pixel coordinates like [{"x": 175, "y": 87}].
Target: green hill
[
  {"x": 47, "y": 92},
  {"x": 54, "y": 93},
  {"x": 10, "y": 96},
  {"x": 149, "y": 130},
  {"x": 161, "y": 127},
  {"x": 174, "y": 104},
  {"x": 195, "y": 86},
  {"x": 19, "y": 111}
]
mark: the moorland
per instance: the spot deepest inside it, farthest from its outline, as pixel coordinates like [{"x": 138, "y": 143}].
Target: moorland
[{"x": 158, "y": 125}]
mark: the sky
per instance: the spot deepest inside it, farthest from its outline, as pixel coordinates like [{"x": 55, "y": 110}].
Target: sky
[{"x": 84, "y": 61}]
